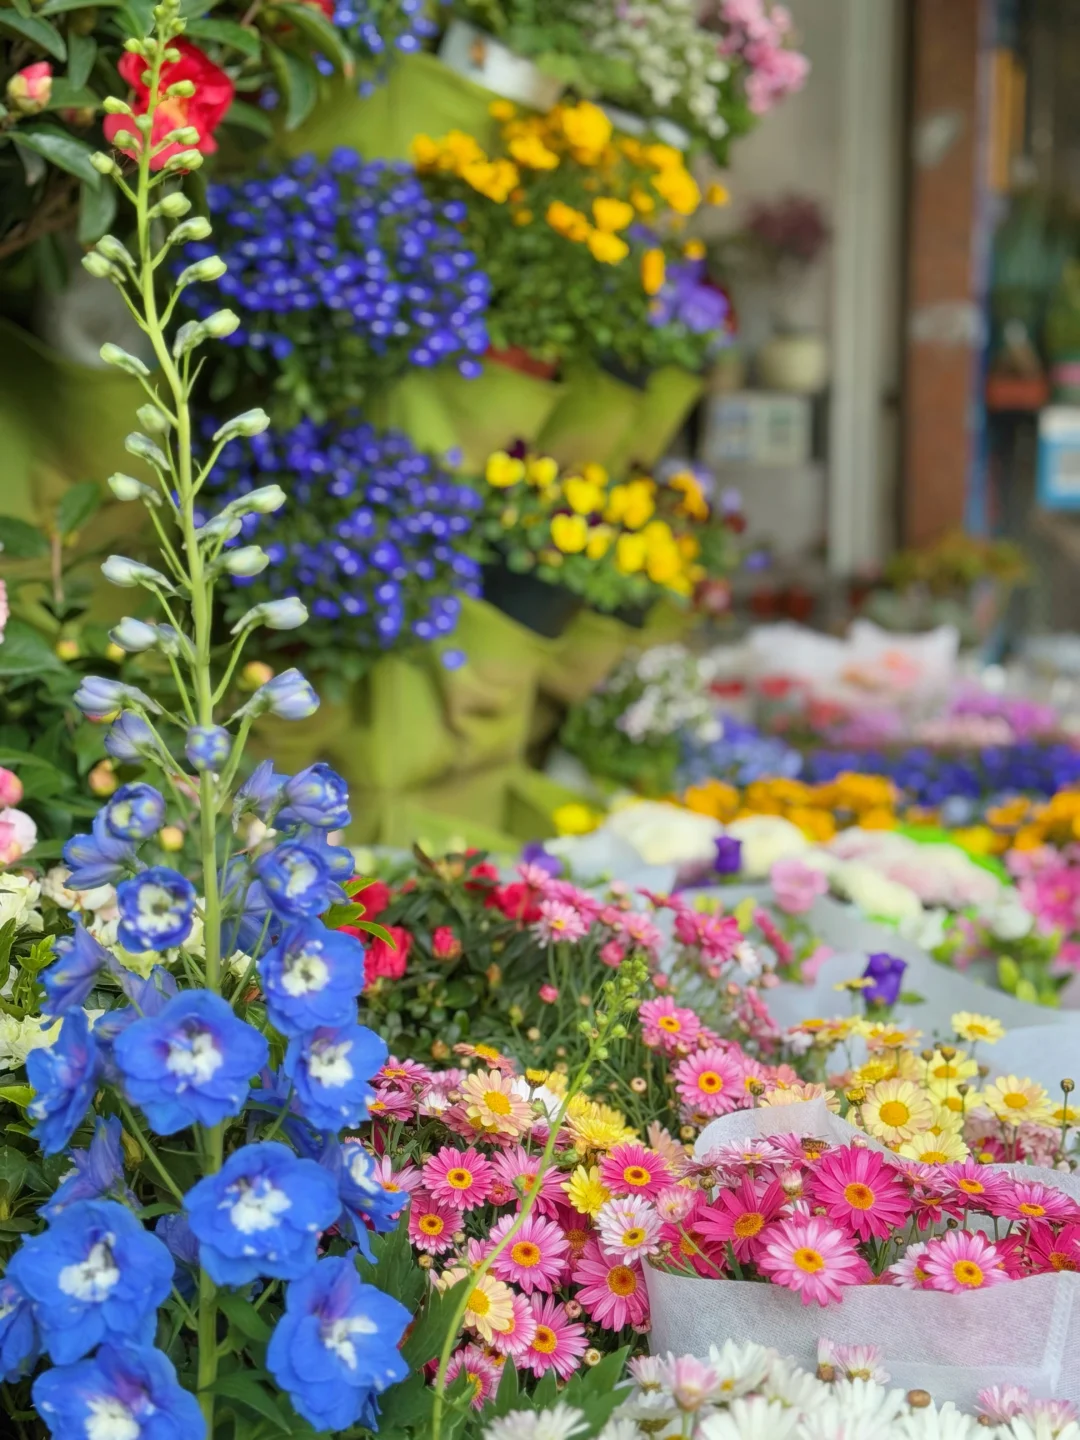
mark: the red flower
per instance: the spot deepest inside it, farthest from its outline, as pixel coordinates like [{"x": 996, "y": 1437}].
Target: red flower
[
  {"x": 374, "y": 897},
  {"x": 389, "y": 961},
  {"x": 482, "y": 876},
  {"x": 517, "y": 902},
  {"x": 445, "y": 945},
  {"x": 204, "y": 110}
]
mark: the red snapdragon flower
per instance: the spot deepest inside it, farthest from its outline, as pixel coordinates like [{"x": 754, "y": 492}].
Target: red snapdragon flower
[{"x": 204, "y": 110}]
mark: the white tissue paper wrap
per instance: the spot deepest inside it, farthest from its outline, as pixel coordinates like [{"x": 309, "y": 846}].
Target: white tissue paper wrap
[{"x": 1024, "y": 1332}]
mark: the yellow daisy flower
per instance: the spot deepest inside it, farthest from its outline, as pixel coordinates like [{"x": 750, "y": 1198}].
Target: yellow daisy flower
[
  {"x": 1015, "y": 1101},
  {"x": 972, "y": 1027},
  {"x": 586, "y": 1191},
  {"x": 935, "y": 1149},
  {"x": 896, "y": 1111}
]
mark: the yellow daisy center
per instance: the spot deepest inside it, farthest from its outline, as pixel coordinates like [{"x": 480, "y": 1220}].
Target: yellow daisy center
[
  {"x": 634, "y": 1236},
  {"x": 525, "y": 1253},
  {"x": 622, "y": 1280},
  {"x": 858, "y": 1196},
  {"x": 497, "y": 1102},
  {"x": 809, "y": 1261},
  {"x": 710, "y": 1082},
  {"x": 895, "y": 1113},
  {"x": 968, "y": 1273},
  {"x": 636, "y": 1175},
  {"x": 670, "y": 1024},
  {"x": 479, "y": 1303},
  {"x": 459, "y": 1179},
  {"x": 545, "y": 1340},
  {"x": 749, "y": 1224},
  {"x": 431, "y": 1224},
  {"x": 1015, "y": 1100}
]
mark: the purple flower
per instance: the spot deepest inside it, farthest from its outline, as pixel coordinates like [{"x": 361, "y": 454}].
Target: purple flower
[
  {"x": 207, "y": 747},
  {"x": 728, "y": 859},
  {"x": 534, "y": 854},
  {"x": 19, "y": 1344},
  {"x": 887, "y": 973},
  {"x": 100, "y": 858},
  {"x": 317, "y": 796},
  {"x": 71, "y": 977},
  {"x": 64, "y": 1076}
]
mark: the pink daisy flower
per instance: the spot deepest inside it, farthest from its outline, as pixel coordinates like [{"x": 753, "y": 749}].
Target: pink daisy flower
[
  {"x": 517, "y": 1165},
  {"x": 482, "y": 1373},
  {"x": 559, "y": 922},
  {"x": 515, "y": 1341},
  {"x": 742, "y": 1155},
  {"x": 1000, "y": 1403},
  {"x": 740, "y": 1216},
  {"x": 1029, "y": 1200},
  {"x": 536, "y": 1258},
  {"x": 390, "y": 1103},
  {"x": 692, "y": 1382},
  {"x": 406, "y": 1075},
  {"x": 640, "y": 931},
  {"x": 460, "y": 1179},
  {"x": 1049, "y": 1252},
  {"x": 972, "y": 1184},
  {"x": 861, "y": 1190},
  {"x": 557, "y": 1344},
  {"x": 960, "y": 1261},
  {"x": 709, "y": 1082},
  {"x": 431, "y": 1225},
  {"x": 909, "y": 1272},
  {"x": 568, "y": 893},
  {"x": 630, "y": 1169},
  {"x": 813, "y": 1258},
  {"x": 612, "y": 1292},
  {"x": 405, "y": 1180},
  {"x": 629, "y": 1228},
  {"x": 665, "y": 1025}
]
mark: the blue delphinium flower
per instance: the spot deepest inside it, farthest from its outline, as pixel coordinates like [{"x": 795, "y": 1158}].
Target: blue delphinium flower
[
  {"x": 130, "y": 738},
  {"x": 261, "y": 1214},
  {"x": 366, "y": 1200},
  {"x": 19, "y": 1343},
  {"x": 64, "y": 1076},
  {"x": 73, "y": 974},
  {"x": 208, "y": 747},
  {"x": 336, "y": 1344},
  {"x": 126, "y": 1392},
  {"x": 296, "y": 881},
  {"x": 175, "y": 1233},
  {"x": 156, "y": 910},
  {"x": 190, "y": 1064},
  {"x": 330, "y": 1070},
  {"x": 288, "y": 696},
  {"x": 97, "y": 697},
  {"x": 135, "y": 812},
  {"x": 100, "y": 858},
  {"x": 98, "y": 1171},
  {"x": 260, "y": 793},
  {"x": 316, "y": 796},
  {"x": 96, "y": 1274},
  {"x": 311, "y": 978}
]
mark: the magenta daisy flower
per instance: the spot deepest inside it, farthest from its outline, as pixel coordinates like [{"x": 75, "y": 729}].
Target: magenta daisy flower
[
  {"x": 406, "y": 1075},
  {"x": 516, "y": 1167},
  {"x": 972, "y": 1184},
  {"x": 665, "y": 1025},
  {"x": 709, "y": 1082},
  {"x": 612, "y": 1291},
  {"x": 962, "y": 1260},
  {"x": 460, "y": 1179},
  {"x": 1030, "y": 1200},
  {"x": 481, "y": 1371},
  {"x": 403, "y": 1181},
  {"x": 431, "y": 1225},
  {"x": 630, "y": 1169},
  {"x": 741, "y": 1214},
  {"x": 815, "y": 1259},
  {"x": 559, "y": 921},
  {"x": 861, "y": 1190},
  {"x": 516, "y": 1339},
  {"x": 536, "y": 1258},
  {"x": 557, "y": 1343},
  {"x": 390, "y": 1103}
]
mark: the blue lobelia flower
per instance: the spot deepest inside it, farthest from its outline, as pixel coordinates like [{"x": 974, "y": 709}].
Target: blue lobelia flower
[
  {"x": 335, "y": 1347},
  {"x": 296, "y": 881},
  {"x": 135, "y": 812},
  {"x": 126, "y": 1392},
  {"x": 130, "y": 738},
  {"x": 261, "y": 1214},
  {"x": 99, "y": 858},
  {"x": 887, "y": 974},
  {"x": 316, "y": 796},
  {"x": 208, "y": 747},
  {"x": 190, "y": 1064},
  {"x": 330, "y": 1070},
  {"x": 19, "y": 1343},
  {"x": 64, "y": 1076},
  {"x": 156, "y": 910},
  {"x": 71, "y": 977},
  {"x": 311, "y": 978},
  {"x": 94, "y": 1275},
  {"x": 98, "y": 1171}
]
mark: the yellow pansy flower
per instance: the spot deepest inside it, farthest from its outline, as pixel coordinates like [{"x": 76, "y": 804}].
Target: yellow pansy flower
[
  {"x": 608, "y": 249},
  {"x": 664, "y": 157},
  {"x": 424, "y": 152},
  {"x": 631, "y": 504},
  {"x": 582, "y": 495},
  {"x": 630, "y": 552},
  {"x": 569, "y": 533},
  {"x": 679, "y": 189},
  {"x": 693, "y": 501},
  {"x": 717, "y": 194},
  {"x": 586, "y": 127},
  {"x": 567, "y": 221},
  {"x": 599, "y": 543},
  {"x": 575, "y": 819},
  {"x": 503, "y": 470},
  {"x": 530, "y": 151},
  {"x": 653, "y": 271},
  {"x": 694, "y": 250},
  {"x": 502, "y": 109},
  {"x": 611, "y": 214},
  {"x": 642, "y": 201},
  {"x": 595, "y": 473},
  {"x": 542, "y": 470}
]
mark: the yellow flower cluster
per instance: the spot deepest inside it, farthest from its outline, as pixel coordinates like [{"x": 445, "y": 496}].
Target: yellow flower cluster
[{"x": 819, "y": 811}]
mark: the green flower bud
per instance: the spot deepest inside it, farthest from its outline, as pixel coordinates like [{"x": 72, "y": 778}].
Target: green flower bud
[
  {"x": 221, "y": 324},
  {"x": 153, "y": 419},
  {"x": 143, "y": 123},
  {"x": 112, "y": 105},
  {"x": 126, "y": 487},
  {"x": 125, "y": 140},
  {"x": 251, "y": 422},
  {"x": 186, "y": 135},
  {"x": 174, "y": 206},
  {"x": 202, "y": 272},
  {"x": 190, "y": 334},
  {"x": 96, "y": 265},
  {"x": 135, "y": 47},
  {"x": 183, "y": 160},
  {"x": 197, "y": 228},
  {"x": 180, "y": 90},
  {"x": 104, "y": 164},
  {"x": 247, "y": 561},
  {"x": 144, "y": 449},
  {"x": 114, "y": 250},
  {"x": 114, "y": 355}
]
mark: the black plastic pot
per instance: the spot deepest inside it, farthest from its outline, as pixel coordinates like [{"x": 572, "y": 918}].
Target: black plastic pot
[
  {"x": 633, "y": 615},
  {"x": 542, "y": 608}
]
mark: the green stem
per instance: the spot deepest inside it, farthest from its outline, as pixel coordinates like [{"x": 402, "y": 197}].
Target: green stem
[{"x": 136, "y": 1130}]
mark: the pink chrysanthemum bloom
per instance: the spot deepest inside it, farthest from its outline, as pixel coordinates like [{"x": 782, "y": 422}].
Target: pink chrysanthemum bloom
[
  {"x": 405, "y": 1180},
  {"x": 909, "y": 1272},
  {"x": 1057, "y": 1415},
  {"x": 516, "y": 1339},
  {"x": 630, "y": 1169},
  {"x": 1049, "y": 1252},
  {"x": 675, "y": 1202},
  {"x": 458, "y": 1178},
  {"x": 972, "y": 1184},
  {"x": 665, "y": 1025},
  {"x": 690, "y": 1382},
  {"x": 641, "y": 932},
  {"x": 737, "y": 1156},
  {"x": 801, "y": 1150},
  {"x": 813, "y": 1258},
  {"x": 390, "y": 1103},
  {"x": 518, "y": 1169},
  {"x": 559, "y": 922},
  {"x": 534, "y": 876},
  {"x": 536, "y": 1258},
  {"x": 962, "y": 1260},
  {"x": 612, "y": 1292},
  {"x": 482, "y": 1373},
  {"x": 557, "y": 1344},
  {"x": 709, "y": 1082},
  {"x": 740, "y": 1216},
  {"x": 431, "y": 1225},
  {"x": 568, "y": 893},
  {"x": 1000, "y": 1403},
  {"x": 861, "y": 1190},
  {"x": 629, "y": 1228},
  {"x": 406, "y": 1075},
  {"x": 853, "y": 1362},
  {"x": 1030, "y": 1200}
]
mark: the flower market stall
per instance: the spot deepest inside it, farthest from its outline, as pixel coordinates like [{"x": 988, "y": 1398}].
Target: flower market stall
[{"x": 443, "y": 994}]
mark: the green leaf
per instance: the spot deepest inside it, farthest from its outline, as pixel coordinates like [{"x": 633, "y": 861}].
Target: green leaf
[
  {"x": 912, "y": 997},
  {"x": 407, "y": 1407},
  {"x": 82, "y": 50},
  {"x": 429, "y": 1332},
  {"x": 244, "y": 1388},
  {"x": 299, "y": 83},
  {"x": 58, "y": 7},
  {"x": 24, "y": 652},
  {"x": 60, "y": 149},
  {"x": 39, "y": 32},
  {"x": 97, "y": 207},
  {"x": 250, "y": 117},
  {"x": 66, "y": 96},
  {"x": 507, "y": 1395},
  {"x": 244, "y": 1316},
  {"x": 135, "y": 17},
  {"x": 226, "y": 32},
  {"x": 324, "y": 36},
  {"x": 13, "y": 1166},
  {"x": 19, "y": 1095},
  {"x": 79, "y": 504},
  {"x": 22, "y": 541}
]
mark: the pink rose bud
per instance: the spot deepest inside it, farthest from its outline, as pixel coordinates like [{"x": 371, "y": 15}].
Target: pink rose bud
[
  {"x": 30, "y": 88},
  {"x": 548, "y": 994},
  {"x": 11, "y": 788}
]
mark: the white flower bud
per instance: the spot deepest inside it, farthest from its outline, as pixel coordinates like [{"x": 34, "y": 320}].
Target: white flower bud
[
  {"x": 126, "y": 487},
  {"x": 174, "y": 206},
  {"x": 134, "y": 636},
  {"x": 145, "y": 449},
  {"x": 114, "y": 355},
  {"x": 197, "y": 228},
  {"x": 114, "y": 250},
  {"x": 251, "y": 422},
  {"x": 203, "y": 271},
  {"x": 154, "y": 419},
  {"x": 190, "y": 334},
  {"x": 263, "y": 501},
  {"x": 285, "y": 614},
  {"x": 248, "y": 560},
  {"x": 225, "y": 526},
  {"x": 127, "y": 573},
  {"x": 221, "y": 324}
]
